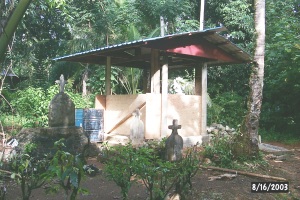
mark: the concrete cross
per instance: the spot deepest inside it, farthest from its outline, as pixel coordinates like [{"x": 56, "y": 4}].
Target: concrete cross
[
  {"x": 137, "y": 112},
  {"x": 61, "y": 83},
  {"x": 175, "y": 126},
  {"x": 137, "y": 131},
  {"x": 174, "y": 143}
]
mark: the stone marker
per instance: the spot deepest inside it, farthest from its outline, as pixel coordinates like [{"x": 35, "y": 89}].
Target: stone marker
[
  {"x": 137, "y": 129},
  {"x": 61, "y": 108},
  {"x": 174, "y": 143}
]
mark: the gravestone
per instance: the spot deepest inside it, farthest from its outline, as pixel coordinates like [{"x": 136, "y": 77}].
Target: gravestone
[
  {"x": 174, "y": 143},
  {"x": 61, "y": 108},
  {"x": 137, "y": 129}
]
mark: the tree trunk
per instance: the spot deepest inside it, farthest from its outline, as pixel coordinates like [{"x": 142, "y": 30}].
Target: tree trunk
[
  {"x": 249, "y": 131},
  {"x": 84, "y": 80},
  {"x": 11, "y": 26}
]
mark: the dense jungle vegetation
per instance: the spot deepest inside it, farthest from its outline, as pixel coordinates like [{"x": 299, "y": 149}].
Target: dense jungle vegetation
[{"x": 49, "y": 30}]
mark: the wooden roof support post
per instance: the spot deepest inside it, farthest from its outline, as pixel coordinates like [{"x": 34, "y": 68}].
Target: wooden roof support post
[
  {"x": 146, "y": 80},
  {"x": 108, "y": 76},
  {"x": 204, "y": 99},
  {"x": 164, "y": 98},
  {"x": 155, "y": 72},
  {"x": 198, "y": 81},
  {"x": 201, "y": 89}
]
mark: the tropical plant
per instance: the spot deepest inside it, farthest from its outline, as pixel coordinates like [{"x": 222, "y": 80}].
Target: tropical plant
[
  {"x": 10, "y": 25},
  {"x": 29, "y": 170},
  {"x": 130, "y": 80},
  {"x": 32, "y": 103},
  {"x": 249, "y": 128},
  {"x": 68, "y": 170},
  {"x": 119, "y": 166},
  {"x": 123, "y": 164},
  {"x": 96, "y": 81},
  {"x": 187, "y": 168},
  {"x": 280, "y": 112}
]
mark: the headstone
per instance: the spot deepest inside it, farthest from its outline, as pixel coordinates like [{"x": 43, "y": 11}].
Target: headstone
[
  {"x": 174, "y": 143},
  {"x": 61, "y": 108},
  {"x": 137, "y": 129}
]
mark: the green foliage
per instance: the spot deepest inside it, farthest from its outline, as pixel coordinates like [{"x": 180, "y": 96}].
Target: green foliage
[
  {"x": 120, "y": 165},
  {"x": 97, "y": 80},
  {"x": 236, "y": 15},
  {"x": 280, "y": 110},
  {"x": 130, "y": 79},
  {"x": 187, "y": 168},
  {"x": 29, "y": 170},
  {"x": 228, "y": 108},
  {"x": 273, "y": 136},
  {"x": 33, "y": 103},
  {"x": 158, "y": 147},
  {"x": 14, "y": 121},
  {"x": 220, "y": 150},
  {"x": 224, "y": 151},
  {"x": 123, "y": 164},
  {"x": 68, "y": 169},
  {"x": 158, "y": 175},
  {"x": 172, "y": 11}
]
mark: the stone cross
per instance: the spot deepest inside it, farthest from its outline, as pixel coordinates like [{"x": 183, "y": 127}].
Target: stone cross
[
  {"x": 174, "y": 143},
  {"x": 174, "y": 126},
  {"x": 61, "y": 83},
  {"x": 137, "y": 129}
]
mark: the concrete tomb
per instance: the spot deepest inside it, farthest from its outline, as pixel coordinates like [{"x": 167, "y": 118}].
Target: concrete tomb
[
  {"x": 61, "y": 108},
  {"x": 137, "y": 129},
  {"x": 174, "y": 143}
]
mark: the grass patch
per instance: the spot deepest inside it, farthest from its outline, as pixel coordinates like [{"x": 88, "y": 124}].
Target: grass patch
[{"x": 285, "y": 138}]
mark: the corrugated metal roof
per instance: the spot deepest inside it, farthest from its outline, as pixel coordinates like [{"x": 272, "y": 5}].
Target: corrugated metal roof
[{"x": 204, "y": 40}]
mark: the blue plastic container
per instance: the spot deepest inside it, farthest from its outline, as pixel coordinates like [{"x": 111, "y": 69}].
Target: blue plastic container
[{"x": 79, "y": 117}]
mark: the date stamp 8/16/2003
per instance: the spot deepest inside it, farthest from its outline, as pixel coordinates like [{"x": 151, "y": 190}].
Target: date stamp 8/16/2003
[{"x": 270, "y": 187}]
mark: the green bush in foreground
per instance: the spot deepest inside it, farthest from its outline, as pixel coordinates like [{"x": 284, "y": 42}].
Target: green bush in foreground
[{"x": 124, "y": 164}]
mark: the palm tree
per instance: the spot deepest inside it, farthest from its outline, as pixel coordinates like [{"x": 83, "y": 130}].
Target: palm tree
[
  {"x": 10, "y": 26},
  {"x": 250, "y": 126}
]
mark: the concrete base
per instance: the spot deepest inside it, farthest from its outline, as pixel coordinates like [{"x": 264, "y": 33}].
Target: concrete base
[
  {"x": 44, "y": 138},
  {"x": 193, "y": 140},
  {"x": 113, "y": 139}
]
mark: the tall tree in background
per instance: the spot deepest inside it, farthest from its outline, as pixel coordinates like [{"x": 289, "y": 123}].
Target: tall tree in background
[
  {"x": 9, "y": 26},
  {"x": 249, "y": 130}
]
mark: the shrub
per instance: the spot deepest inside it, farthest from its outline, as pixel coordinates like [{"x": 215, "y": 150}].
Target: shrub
[
  {"x": 219, "y": 151},
  {"x": 28, "y": 170},
  {"x": 146, "y": 163},
  {"x": 227, "y": 108},
  {"x": 33, "y": 104},
  {"x": 68, "y": 169},
  {"x": 120, "y": 165}
]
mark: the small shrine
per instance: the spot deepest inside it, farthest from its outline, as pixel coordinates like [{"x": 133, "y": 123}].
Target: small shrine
[{"x": 156, "y": 56}]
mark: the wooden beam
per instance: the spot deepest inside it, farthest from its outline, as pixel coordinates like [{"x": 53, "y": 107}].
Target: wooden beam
[
  {"x": 125, "y": 118},
  {"x": 155, "y": 72},
  {"x": 108, "y": 76},
  {"x": 164, "y": 98},
  {"x": 244, "y": 173}
]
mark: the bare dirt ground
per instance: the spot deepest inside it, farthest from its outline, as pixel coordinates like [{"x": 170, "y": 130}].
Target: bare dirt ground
[{"x": 237, "y": 188}]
